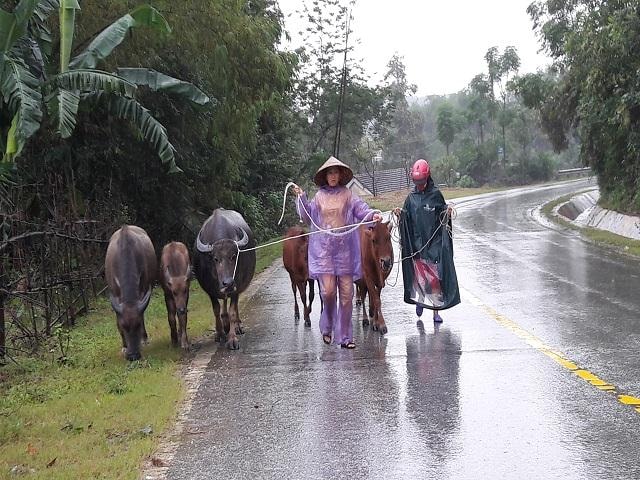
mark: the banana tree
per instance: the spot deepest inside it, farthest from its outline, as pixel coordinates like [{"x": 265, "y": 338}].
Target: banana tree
[{"x": 32, "y": 95}]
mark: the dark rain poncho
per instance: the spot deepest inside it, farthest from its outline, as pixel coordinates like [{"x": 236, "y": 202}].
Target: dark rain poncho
[{"x": 429, "y": 273}]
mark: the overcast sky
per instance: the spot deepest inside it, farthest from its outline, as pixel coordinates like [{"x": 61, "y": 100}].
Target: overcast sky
[{"x": 443, "y": 42}]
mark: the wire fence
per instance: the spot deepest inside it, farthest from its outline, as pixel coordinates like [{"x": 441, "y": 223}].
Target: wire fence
[{"x": 49, "y": 273}]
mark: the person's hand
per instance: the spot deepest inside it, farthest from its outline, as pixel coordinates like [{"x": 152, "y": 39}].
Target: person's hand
[
  {"x": 377, "y": 217},
  {"x": 396, "y": 211},
  {"x": 297, "y": 190}
]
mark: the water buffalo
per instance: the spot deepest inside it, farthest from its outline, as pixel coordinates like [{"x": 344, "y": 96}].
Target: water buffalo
[
  {"x": 175, "y": 278},
  {"x": 377, "y": 260},
  {"x": 130, "y": 269},
  {"x": 296, "y": 262},
  {"x": 221, "y": 271}
]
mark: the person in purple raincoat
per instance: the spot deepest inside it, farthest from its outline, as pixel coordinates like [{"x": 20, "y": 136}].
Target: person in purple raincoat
[{"x": 334, "y": 258}]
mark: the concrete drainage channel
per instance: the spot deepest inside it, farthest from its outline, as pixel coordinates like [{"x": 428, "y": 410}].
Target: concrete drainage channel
[{"x": 583, "y": 211}]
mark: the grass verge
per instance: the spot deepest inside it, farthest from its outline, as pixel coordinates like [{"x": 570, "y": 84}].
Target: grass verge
[
  {"x": 95, "y": 415},
  {"x": 601, "y": 237},
  {"x": 390, "y": 200}
]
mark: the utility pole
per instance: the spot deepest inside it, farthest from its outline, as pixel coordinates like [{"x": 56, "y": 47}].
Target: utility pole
[{"x": 343, "y": 88}]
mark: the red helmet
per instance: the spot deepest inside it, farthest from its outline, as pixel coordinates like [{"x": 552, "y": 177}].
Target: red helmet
[{"x": 420, "y": 171}]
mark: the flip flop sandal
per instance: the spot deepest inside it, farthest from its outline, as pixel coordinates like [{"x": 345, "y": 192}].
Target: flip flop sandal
[
  {"x": 349, "y": 345},
  {"x": 437, "y": 318},
  {"x": 326, "y": 339}
]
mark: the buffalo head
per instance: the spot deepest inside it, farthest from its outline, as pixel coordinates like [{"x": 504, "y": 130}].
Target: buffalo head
[
  {"x": 130, "y": 319},
  {"x": 178, "y": 287},
  {"x": 380, "y": 240},
  {"x": 224, "y": 256}
]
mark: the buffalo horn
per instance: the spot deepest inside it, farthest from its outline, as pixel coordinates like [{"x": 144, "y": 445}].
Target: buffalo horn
[
  {"x": 244, "y": 240},
  {"x": 142, "y": 304},
  {"x": 202, "y": 247},
  {"x": 117, "y": 306}
]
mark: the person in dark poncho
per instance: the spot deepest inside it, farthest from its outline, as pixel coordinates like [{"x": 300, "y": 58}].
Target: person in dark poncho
[{"x": 427, "y": 248}]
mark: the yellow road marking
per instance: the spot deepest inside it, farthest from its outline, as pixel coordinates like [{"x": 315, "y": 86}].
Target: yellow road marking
[{"x": 556, "y": 356}]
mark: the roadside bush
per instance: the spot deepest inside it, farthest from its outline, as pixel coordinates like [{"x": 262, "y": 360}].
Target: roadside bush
[{"x": 466, "y": 182}]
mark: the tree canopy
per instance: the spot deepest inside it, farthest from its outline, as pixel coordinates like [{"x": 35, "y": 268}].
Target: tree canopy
[{"x": 595, "y": 46}]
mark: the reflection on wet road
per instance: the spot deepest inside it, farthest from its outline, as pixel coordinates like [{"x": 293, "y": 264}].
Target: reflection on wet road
[{"x": 465, "y": 400}]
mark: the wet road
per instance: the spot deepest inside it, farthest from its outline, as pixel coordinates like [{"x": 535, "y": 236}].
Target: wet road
[{"x": 523, "y": 380}]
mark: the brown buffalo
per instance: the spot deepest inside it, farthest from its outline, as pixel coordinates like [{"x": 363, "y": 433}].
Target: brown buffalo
[
  {"x": 222, "y": 270},
  {"x": 130, "y": 269},
  {"x": 296, "y": 262},
  {"x": 377, "y": 260},
  {"x": 175, "y": 278}
]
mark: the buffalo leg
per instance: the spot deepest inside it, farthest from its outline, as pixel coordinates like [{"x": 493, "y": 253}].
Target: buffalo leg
[
  {"x": 171, "y": 317},
  {"x": 182, "y": 331},
  {"x": 144, "y": 336},
  {"x": 382, "y": 324},
  {"x": 302, "y": 288},
  {"x": 239, "y": 329},
  {"x": 375, "y": 309},
  {"x": 124, "y": 340},
  {"x": 362, "y": 294},
  {"x": 296, "y": 311},
  {"x": 232, "y": 339},
  {"x": 225, "y": 316},
  {"x": 221, "y": 335}
]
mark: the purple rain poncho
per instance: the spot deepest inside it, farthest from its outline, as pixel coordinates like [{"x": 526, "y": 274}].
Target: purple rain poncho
[{"x": 334, "y": 207}]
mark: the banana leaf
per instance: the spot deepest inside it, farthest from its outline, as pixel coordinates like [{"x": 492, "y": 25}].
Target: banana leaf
[
  {"x": 150, "y": 128},
  {"x": 38, "y": 28},
  {"x": 88, "y": 81},
  {"x": 13, "y": 25},
  {"x": 160, "y": 82},
  {"x": 67, "y": 29},
  {"x": 112, "y": 36},
  {"x": 21, "y": 92},
  {"x": 63, "y": 109}
]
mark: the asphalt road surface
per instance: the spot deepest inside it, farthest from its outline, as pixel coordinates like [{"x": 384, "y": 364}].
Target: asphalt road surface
[{"x": 533, "y": 376}]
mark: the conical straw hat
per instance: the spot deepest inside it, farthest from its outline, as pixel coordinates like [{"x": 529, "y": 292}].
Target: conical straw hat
[{"x": 320, "y": 178}]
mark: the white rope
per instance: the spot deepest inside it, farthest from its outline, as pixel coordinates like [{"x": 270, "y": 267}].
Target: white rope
[
  {"x": 330, "y": 231},
  {"x": 444, "y": 215},
  {"x": 350, "y": 228},
  {"x": 284, "y": 199}
]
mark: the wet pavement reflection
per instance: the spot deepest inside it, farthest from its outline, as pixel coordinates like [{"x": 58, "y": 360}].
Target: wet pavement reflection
[{"x": 467, "y": 399}]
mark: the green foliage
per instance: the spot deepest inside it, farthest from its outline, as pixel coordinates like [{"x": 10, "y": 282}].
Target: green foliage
[
  {"x": 595, "y": 45},
  {"x": 244, "y": 147},
  {"x": 447, "y": 125},
  {"x": 24, "y": 70},
  {"x": 401, "y": 131},
  {"x": 336, "y": 104},
  {"x": 466, "y": 182},
  {"x": 445, "y": 169}
]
